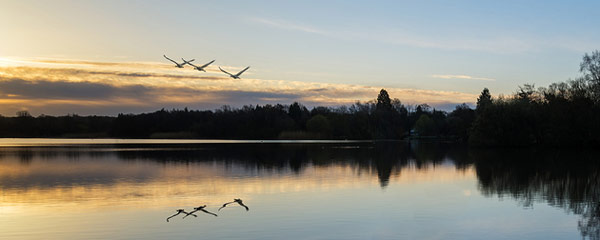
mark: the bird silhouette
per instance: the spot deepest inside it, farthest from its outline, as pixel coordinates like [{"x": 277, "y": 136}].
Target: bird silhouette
[
  {"x": 234, "y": 76},
  {"x": 199, "y": 68},
  {"x": 178, "y": 64},
  {"x": 235, "y": 200},
  {"x": 201, "y": 208},
  {"x": 179, "y": 211}
]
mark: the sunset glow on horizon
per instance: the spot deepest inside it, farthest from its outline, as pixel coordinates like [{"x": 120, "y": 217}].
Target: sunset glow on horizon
[
  {"x": 47, "y": 86},
  {"x": 105, "y": 57}
]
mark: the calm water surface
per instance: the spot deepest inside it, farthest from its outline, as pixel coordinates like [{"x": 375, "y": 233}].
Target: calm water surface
[{"x": 319, "y": 190}]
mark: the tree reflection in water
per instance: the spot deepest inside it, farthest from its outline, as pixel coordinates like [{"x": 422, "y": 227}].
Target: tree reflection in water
[
  {"x": 568, "y": 179},
  {"x": 383, "y": 159},
  {"x": 563, "y": 178}
]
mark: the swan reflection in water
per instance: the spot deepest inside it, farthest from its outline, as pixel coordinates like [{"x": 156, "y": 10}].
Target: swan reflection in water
[
  {"x": 179, "y": 211},
  {"x": 200, "y": 208},
  {"x": 236, "y": 200}
]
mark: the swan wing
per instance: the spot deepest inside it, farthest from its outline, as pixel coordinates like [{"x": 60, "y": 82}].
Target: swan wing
[
  {"x": 172, "y": 216},
  {"x": 189, "y": 62},
  {"x": 191, "y": 213},
  {"x": 206, "y": 65},
  {"x": 170, "y": 59},
  {"x": 209, "y": 212},
  {"x": 240, "y": 73},
  {"x": 225, "y": 205},
  {"x": 229, "y": 75},
  {"x": 241, "y": 204}
]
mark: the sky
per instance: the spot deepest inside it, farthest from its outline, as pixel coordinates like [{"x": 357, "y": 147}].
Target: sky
[{"x": 105, "y": 57}]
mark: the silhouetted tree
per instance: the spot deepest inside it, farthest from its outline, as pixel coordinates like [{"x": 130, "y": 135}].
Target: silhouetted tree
[
  {"x": 23, "y": 114},
  {"x": 590, "y": 67},
  {"x": 384, "y": 103},
  {"x": 460, "y": 121},
  {"x": 299, "y": 114},
  {"x": 484, "y": 99},
  {"x": 387, "y": 120},
  {"x": 562, "y": 114}
]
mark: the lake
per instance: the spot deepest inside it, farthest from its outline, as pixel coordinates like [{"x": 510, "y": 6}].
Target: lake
[{"x": 126, "y": 189}]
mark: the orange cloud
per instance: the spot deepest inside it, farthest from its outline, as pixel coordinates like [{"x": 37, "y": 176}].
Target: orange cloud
[{"x": 55, "y": 86}]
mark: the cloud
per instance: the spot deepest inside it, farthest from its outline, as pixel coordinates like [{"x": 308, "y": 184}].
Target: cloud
[
  {"x": 462, "y": 77},
  {"x": 63, "y": 73},
  {"x": 498, "y": 43},
  {"x": 112, "y": 88},
  {"x": 21, "y": 89},
  {"x": 290, "y": 26}
]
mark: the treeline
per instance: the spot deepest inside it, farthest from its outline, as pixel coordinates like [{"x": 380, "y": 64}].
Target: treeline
[
  {"x": 383, "y": 118},
  {"x": 566, "y": 113}
]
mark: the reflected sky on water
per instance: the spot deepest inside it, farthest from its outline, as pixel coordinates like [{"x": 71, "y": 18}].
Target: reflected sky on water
[{"x": 392, "y": 190}]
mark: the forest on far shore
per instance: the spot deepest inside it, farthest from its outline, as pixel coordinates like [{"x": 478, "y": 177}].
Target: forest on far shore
[{"x": 562, "y": 114}]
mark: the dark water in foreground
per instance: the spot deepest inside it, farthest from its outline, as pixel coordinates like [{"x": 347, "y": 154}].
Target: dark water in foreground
[{"x": 297, "y": 191}]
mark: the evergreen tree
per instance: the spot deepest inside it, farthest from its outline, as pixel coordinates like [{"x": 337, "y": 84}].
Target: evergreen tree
[
  {"x": 384, "y": 103},
  {"x": 484, "y": 100}
]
